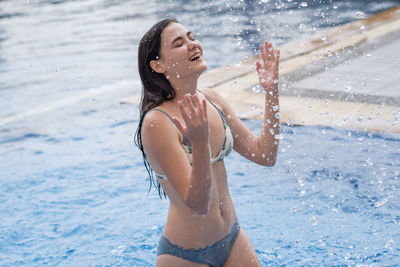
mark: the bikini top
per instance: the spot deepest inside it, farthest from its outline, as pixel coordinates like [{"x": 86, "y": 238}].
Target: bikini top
[{"x": 187, "y": 146}]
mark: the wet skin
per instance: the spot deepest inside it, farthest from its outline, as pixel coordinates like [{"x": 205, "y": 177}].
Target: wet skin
[{"x": 201, "y": 210}]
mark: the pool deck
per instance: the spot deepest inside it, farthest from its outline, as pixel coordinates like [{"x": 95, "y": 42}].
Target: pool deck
[{"x": 347, "y": 76}]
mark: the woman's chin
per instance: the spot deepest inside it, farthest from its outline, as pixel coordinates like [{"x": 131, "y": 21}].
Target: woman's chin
[
  {"x": 198, "y": 69},
  {"x": 202, "y": 67}
]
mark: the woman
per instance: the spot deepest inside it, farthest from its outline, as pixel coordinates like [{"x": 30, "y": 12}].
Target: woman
[{"x": 184, "y": 134}]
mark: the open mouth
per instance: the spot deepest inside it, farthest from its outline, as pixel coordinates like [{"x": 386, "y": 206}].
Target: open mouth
[{"x": 195, "y": 57}]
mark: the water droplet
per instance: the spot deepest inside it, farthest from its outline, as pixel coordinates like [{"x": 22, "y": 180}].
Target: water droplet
[
  {"x": 381, "y": 202},
  {"x": 178, "y": 76},
  {"x": 253, "y": 155},
  {"x": 302, "y": 26},
  {"x": 278, "y": 136},
  {"x": 290, "y": 122},
  {"x": 256, "y": 89},
  {"x": 302, "y": 193},
  {"x": 151, "y": 125},
  {"x": 368, "y": 55},
  {"x": 323, "y": 38},
  {"x": 362, "y": 27},
  {"x": 303, "y": 4},
  {"x": 301, "y": 181},
  {"x": 278, "y": 115},
  {"x": 347, "y": 88},
  {"x": 276, "y": 81},
  {"x": 271, "y": 131},
  {"x": 314, "y": 220},
  {"x": 360, "y": 14},
  {"x": 264, "y": 1},
  {"x": 263, "y": 156},
  {"x": 335, "y": 7},
  {"x": 275, "y": 108},
  {"x": 390, "y": 244}
]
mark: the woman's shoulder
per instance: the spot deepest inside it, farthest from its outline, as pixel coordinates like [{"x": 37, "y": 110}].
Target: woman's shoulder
[
  {"x": 208, "y": 92},
  {"x": 156, "y": 123},
  {"x": 214, "y": 96}
]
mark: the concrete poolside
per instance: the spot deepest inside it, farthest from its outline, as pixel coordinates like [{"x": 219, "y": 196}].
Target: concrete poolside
[{"x": 347, "y": 76}]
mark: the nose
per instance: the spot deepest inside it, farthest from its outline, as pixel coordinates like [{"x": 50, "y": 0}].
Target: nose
[{"x": 192, "y": 44}]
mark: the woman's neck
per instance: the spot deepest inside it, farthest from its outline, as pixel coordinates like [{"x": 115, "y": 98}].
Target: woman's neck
[{"x": 183, "y": 86}]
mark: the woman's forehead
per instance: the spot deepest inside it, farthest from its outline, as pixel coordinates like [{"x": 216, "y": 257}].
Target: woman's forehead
[{"x": 172, "y": 31}]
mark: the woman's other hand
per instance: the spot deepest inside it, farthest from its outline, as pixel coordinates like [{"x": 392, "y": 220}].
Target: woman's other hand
[
  {"x": 268, "y": 70},
  {"x": 194, "y": 114}
]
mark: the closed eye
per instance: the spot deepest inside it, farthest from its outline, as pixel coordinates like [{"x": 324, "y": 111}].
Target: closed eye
[
  {"x": 178, "y": 41},
  {"x": 190, "y": 36}
]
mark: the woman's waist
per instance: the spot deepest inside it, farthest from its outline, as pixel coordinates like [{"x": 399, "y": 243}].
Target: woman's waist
[{"x": 196, "y": 231}]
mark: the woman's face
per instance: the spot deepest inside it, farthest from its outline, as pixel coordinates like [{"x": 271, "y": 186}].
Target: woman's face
[{"x": 181, "y": 55}]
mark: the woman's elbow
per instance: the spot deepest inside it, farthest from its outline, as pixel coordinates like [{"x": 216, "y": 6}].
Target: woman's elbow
[
  {"x": 200, "y": 210},
  {"x": 201, "y": 206}
]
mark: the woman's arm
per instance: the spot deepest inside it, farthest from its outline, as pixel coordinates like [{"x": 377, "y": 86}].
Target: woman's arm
[
  {"x": 164, "y": 151},
  {"x": 260, "y": 149}
]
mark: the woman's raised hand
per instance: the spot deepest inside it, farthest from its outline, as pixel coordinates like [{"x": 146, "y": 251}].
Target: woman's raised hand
[
  {"x": 268, "y": 70},
  {"x": 194, "y": 114}
]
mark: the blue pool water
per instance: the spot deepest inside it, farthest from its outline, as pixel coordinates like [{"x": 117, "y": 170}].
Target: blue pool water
[{"x": 73, "y": 190}]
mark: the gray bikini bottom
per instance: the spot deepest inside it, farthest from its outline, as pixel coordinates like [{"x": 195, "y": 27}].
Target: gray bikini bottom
[{"x": 214, "y": 255}]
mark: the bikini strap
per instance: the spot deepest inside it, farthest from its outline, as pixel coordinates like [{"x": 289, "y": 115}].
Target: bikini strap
[
  {"x": 221, "y": 113},
  {"x": 185, "y": 140},
  {"x": 166, "y": 114}
]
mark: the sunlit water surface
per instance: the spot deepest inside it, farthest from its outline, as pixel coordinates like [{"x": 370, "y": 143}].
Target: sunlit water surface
[{"x": 73, "y": 190}]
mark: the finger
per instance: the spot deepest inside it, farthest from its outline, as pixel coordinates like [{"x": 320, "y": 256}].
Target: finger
[
  {"x": 267, "y": 47},
  {"x": 258, "y": 66},
  {"x": 196, "y": 101},
  {"x": 262, "y": 52},
  {"x": 190, "y": 106},
  {"x": 278, "y": 55},
  {"x": 204, "y": 104},
  {"x": 179, "y": 125},
  {"x": 183, "y": 111},
  {"x": 271, "y": 53},
  {"x": 192, "y": 101}
]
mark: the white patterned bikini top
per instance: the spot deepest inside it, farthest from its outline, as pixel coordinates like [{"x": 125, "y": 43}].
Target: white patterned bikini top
[{"x": 187, "y": 146}]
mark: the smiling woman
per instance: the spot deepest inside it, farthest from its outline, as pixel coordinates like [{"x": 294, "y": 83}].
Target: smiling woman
[{"x": 184, "y": 134}]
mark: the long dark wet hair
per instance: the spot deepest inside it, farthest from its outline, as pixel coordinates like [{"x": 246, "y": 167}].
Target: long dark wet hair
[{"x": 156, "y": 88}]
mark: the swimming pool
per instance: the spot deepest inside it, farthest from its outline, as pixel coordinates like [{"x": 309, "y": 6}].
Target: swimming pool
[
  {"x": 80, "y": 199},
  {"x": 73, "y": 190}
]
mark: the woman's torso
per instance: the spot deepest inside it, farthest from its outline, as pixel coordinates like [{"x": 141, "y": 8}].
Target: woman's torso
[{"x": 184, "y": 227}]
